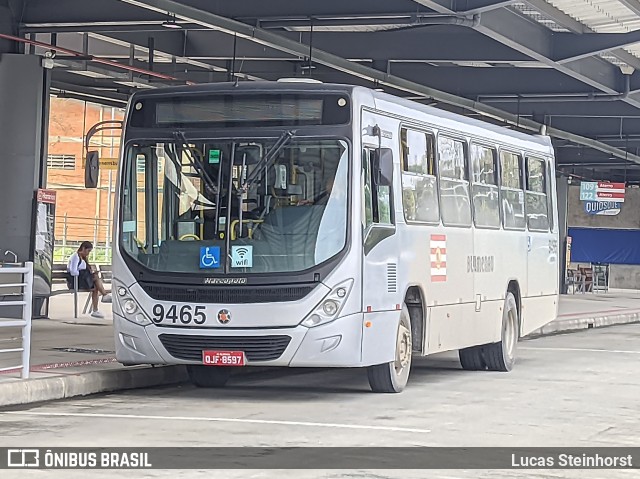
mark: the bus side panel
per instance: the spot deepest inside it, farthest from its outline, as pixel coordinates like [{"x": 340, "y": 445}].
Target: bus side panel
[
  {"x": 448, "y": 327},
  {"x": 450, "y": 290},
  {"x": 499, "y": 257},
  {"x": 543, "y": 264},
  {"x": 540, "y": 303},
  {"x": 538, "y": 311}
]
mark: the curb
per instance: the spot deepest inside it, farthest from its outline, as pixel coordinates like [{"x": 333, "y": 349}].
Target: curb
[
  {"x": 579, "y": 324},
  {"x": 60, "y": 387}
]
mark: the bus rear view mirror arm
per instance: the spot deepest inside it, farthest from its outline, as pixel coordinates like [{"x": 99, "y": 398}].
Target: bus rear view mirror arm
[{"x": 383, "y": 166}]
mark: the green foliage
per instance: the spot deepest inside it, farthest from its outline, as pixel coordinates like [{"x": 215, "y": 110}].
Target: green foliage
[{"x": 99, "y": 255}]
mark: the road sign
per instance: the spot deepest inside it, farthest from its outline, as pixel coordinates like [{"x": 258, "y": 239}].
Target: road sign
[
  {"x": 209, "y": 257},
  {"x": 601, "y": 191},
  {"x": 588, "y": 190}
]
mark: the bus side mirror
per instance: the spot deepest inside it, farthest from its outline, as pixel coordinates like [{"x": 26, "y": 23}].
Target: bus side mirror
[
  {"x": 91, "y": 169},
  {"x": 383, "y": 166}
]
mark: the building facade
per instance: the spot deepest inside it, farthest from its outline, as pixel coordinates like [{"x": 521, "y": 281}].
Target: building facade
[{"x": 81, "y": 214}]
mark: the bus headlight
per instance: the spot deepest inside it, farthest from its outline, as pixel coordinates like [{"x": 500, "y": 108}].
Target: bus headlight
[
  {"x": 330, "y": 306},
  {"x": 130, "y": 308}
]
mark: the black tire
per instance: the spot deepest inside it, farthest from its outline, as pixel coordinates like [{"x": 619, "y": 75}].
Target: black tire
[
  {"x": 472, "y": 359},
  {"x": 392, "y": 377},
  {"x": 501, "y": 356},
  {"x": 208, "y": 376}
]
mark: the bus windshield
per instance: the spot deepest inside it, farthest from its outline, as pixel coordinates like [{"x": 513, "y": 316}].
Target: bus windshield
[{"x": 219, "y": 207}]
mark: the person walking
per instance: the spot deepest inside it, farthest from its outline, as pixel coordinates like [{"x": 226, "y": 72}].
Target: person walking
[{"x": 88, "y": 279}]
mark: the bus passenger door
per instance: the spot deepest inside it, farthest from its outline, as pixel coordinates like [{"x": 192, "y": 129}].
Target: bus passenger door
[
  {"x": 542, "y": 247},
  {"x": 379, "y": 270}
]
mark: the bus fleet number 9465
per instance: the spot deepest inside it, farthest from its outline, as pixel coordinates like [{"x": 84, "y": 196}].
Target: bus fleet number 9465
[{"x": 186, "y": 314}]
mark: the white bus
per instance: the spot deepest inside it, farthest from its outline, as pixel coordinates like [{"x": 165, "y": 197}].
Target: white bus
[{"x": 319, "y": 225}]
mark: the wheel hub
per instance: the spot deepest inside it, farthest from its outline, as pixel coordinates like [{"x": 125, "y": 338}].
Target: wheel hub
[
  {"x": 403, "y": 348},
  {"x": 511, "y": 333}
]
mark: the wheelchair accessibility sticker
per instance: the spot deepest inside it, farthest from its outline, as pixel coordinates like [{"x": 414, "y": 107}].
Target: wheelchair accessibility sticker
[
  {"x": 209, "y": 257},
  {"x": 241, "y": 256}
]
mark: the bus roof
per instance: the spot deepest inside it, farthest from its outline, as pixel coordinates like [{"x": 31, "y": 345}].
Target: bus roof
[
  {"x": 444, "y": 117},
  {"x": 471, "y": 126},
  {"x": 246, "y": 86}
]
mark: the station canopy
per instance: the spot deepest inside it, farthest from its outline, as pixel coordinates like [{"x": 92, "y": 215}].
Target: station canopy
[{"x": 567, "y": 68}]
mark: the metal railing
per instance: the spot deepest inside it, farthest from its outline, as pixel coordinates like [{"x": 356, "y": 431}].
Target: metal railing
[
  {"x": 25, "y": 303},
  {"x": 72, "y": 230}
]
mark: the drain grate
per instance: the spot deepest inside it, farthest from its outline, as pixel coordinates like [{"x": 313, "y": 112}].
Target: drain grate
[{"x": 82, "y": 350}]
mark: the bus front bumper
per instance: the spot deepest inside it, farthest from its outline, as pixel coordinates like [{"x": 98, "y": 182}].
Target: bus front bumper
[{"x": 336, "y": 344}]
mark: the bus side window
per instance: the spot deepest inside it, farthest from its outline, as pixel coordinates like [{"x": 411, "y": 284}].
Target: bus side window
[
  {"x": 537, "y": 203},
  {"x": 454, "y": 182},
  {"x": 419, "y": 185},
  {"x": 486, "y": 206},
  {"x": 512, "y": 191},
  {"x": 377, "y": 197}
]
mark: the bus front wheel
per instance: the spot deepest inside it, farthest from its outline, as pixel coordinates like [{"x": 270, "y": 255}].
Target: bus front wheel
[
  {"x": 208, "y": 376},
  {"x": 392, "y": 377}
]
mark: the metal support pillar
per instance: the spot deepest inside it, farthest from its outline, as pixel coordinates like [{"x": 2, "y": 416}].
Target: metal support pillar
[{"x": 24, "y": 113}]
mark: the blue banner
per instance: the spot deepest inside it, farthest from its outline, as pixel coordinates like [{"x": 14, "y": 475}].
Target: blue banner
[{"x": 599, "y": 245}]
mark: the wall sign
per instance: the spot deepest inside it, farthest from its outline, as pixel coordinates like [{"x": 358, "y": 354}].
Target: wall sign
[
  {"x": 44, "y": 241},
  {"x": 605, "y": 208}
]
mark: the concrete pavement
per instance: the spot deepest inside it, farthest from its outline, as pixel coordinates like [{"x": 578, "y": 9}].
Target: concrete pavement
[
  {"x": 567, "y": 390},
  {"x": 591, "y": 310},
  {"x": 73, "y": 357}
]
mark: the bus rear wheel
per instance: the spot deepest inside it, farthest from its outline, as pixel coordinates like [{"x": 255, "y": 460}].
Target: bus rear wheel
[
  {"x": 392, "y": 377},
  {"x": 472, "y": 359},
  {"x": 501, "y": 356},
  {"x": 208, "y": 376}
]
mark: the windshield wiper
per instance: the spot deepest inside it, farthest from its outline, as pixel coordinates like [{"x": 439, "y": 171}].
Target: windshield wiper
[
  {"x": 266, "y": 161},
  {"x": 264, "y": 164},
  {"x": 196, "y": 164}
]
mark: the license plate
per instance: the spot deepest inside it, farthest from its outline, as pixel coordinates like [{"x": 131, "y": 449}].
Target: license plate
[{"x": 223, "y": 358}]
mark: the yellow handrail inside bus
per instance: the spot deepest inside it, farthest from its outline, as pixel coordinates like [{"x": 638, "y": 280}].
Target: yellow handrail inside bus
[
  {"x": 235, "y": 222},
  {"x": 189, "y": 236},
  {"x": 140, "y": 244}
]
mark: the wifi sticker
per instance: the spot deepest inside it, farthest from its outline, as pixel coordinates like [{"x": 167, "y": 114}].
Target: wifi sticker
[{"x": 241, "y": 256}]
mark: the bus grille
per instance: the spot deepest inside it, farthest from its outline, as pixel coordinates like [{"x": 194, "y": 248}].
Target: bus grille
[
  {"x": 224, "y": 295},
  {"x": 256, "y": 348}
]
